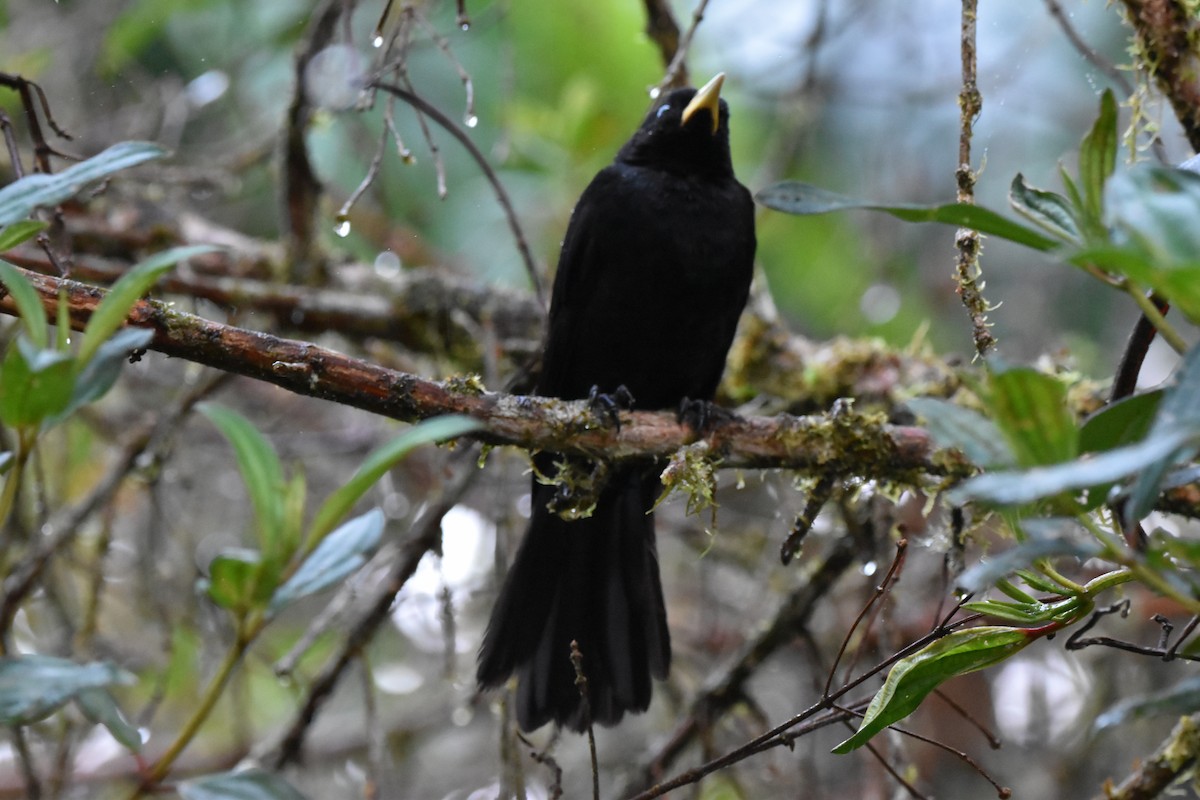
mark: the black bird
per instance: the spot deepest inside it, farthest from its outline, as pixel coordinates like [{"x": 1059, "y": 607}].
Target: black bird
[{"x": 654, "y": 273}]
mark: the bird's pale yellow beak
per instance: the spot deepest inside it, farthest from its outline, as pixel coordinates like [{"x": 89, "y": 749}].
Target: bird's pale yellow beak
[{"x": 708, "y": 96}]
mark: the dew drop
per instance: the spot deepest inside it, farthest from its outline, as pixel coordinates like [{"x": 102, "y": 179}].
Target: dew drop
[
  {"x": 470, "y": 120},
  {"x": 387, "y": 265},
  {"x": 377, "y": 41},
  {"x": 343, "y": 228}
]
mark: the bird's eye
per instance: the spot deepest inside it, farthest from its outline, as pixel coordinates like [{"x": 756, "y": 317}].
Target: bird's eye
[{"x": 662, "y": 110}]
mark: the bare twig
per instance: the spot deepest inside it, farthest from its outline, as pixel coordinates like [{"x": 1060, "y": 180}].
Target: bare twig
[
  {"x": 967, "y": 271},
  {"x": 677, "y": 73},
  {"x": 424, "y": 106},
  {"x": 1086, "y": 50}
]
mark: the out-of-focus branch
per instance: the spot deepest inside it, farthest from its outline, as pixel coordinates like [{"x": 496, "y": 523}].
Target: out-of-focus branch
[
  {"x": 300, "y": 190},
  {"x": 1175, "y": 756},
  {"x": 1167, "y": 32},
  {"x": 846, "y": 442},
  {"x": 423, "y": 310}
]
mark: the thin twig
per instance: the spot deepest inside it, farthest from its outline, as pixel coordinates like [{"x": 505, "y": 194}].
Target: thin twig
[
  {"x": 677, "y": 73},
  {"x": 880, "y": 590},
  {"x": 418, "y": 102},
  {"x": 1086, "y": 50},
  {"x": 967, "y": 270}
]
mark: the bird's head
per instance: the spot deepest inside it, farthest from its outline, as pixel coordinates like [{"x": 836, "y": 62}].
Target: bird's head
[{"x": 687, "y": 130}]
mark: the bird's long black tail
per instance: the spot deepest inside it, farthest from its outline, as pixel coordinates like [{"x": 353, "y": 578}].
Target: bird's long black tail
[{"x": 594, "y": 581}]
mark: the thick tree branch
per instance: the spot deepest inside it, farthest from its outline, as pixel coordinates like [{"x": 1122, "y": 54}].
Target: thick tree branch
[
  {"x": 845, "y": 442},
  {"x": 1167, "y": 32}
]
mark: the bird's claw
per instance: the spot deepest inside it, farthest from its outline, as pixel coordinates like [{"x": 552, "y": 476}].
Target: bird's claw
[
  {"x": 609, "y": 406},
  {"x": 703, "y": 415}
]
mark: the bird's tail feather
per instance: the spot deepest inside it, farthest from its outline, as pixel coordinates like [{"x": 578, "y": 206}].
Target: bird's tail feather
[{"x": 594, "y": 581}]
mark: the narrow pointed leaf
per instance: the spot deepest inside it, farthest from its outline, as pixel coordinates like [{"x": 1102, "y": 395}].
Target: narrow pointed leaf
[
  {"x": 339, "y": 554},
  {"x": 99, "y": 706},
  {"x": 963, "y": 429},
  {"x": 32, "y": 687},
  {"x": 1047, "y": 210},
  {"x": 20, "y": 198},
  {"x": 1098, "y": 155},
  {"x": 250, "y": 784},
  {"x": 1181, "y": 699},
  {"x": 912, "y": 679},
  {"x": 985, "y": 573},
  {"x": 379, "y": 462},
  {"x": 793, "y": 197},
  {"x": 1039, "y": 483},
  {"x": 29, "y": 305},
  {"x": 99, "y": 374},
  {"x": 12, "y": 235},
  {"x": 261, "y": 471}
]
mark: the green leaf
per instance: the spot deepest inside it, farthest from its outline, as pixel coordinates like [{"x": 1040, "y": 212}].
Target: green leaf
[
  {"x": 34, "y": 383},
  {"x": 339, "y": 554},
  {"x": 20, "y": 198},
  {"x": 1073, "y": 195},
  {"x": 29, "y": 305},
  {"x": 100, "y": 707},
  {"x": 1047, "y": 210},
  {"x": 1031, "y": 410},
  {"x": 1121, "y": 423},
  {"x": 1098, "y": 156},
  {"x": 913, "y": 678},
  {"x": 1180, "y": 699},
  {"x": 250, "y": 784},
  {"x": 111, "y": 312},
  {"x": 1064, "y": 610},
  {"x": 1039, "y": 483},
  {"x": 793, "y": 197},
  {"x": 1155, "y": 241},
  {"x": 1178, "y": 415},
  {"x": 99, "y": 374},
  {"x": 33, "y": 687},
  {"x": 12, "y": 235},
  {"x": 261, "y": 472},
  {"x": 988, "y": 571},
  {"x": 233, "y": 578},
  {"x": 963, "y": 429},
  {"x": 379, "y": 462}
]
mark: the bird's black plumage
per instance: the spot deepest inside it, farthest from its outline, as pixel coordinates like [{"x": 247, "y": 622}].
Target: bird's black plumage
[{"x": 654, "y": 273}]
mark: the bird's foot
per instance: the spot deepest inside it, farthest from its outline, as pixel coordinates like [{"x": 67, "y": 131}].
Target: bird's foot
[
  {"x": 609, "y": 406},
  {"x": 703, "y": 415}
]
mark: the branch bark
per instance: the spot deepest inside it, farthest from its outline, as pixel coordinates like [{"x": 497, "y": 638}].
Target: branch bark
[
  {"x": 1168, "y": 32},
  {"x": 842, "y": 442}
]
